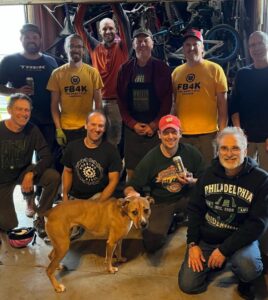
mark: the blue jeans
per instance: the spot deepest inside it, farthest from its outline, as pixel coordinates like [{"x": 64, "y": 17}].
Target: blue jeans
[{"x": 246, "y": 264}]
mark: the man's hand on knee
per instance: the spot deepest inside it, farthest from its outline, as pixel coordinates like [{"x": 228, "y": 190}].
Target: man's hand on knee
[{"x": 27, "y": 183}]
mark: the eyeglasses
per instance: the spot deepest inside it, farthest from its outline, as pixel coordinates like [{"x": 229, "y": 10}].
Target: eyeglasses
[
  {"x": 79, "y": 47},
  {"x": 225, "y": 149}
]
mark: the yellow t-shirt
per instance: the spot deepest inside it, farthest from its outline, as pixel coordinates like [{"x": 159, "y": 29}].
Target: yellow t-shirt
[
  {"x": 76, "y": 86},
  {"x": 196, "y": 101}
]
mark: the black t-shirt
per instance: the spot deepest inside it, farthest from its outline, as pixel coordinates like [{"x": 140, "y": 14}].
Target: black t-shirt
[
  {"x": 16, "y": 151},
  {"x": 249, "y": 99},
  {"x": 90, "y": 167}
]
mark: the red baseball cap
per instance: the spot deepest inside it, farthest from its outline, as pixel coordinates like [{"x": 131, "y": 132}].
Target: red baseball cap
[
  {"x": 193, "y": 33},
  {"x": 169, "y": 121}
]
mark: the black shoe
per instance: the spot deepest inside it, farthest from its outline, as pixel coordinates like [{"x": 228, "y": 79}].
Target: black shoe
[
  {"x": 245, "y": 290},
  {"x": 39, "y": 225},
  {"x": 179, "y": 219}
]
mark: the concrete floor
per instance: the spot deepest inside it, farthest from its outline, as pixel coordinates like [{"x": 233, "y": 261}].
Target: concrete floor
[{"x": 143, "y": 277}]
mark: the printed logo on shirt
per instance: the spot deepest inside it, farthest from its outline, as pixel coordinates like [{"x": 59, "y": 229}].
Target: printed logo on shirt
[
  {"x": 224, "y": 201},
  {"x": 75, "y": 90},
  {"x": 190, "y": 86},
  {"x": 140, "y": 100},
  {"x": 223, "y": 212},
  {"x": 229, "y": 189},
  {"x": 169, "y": 179},
  {"x": 89, "y": 171},
  {"x": 33, "y": 68},
  {"x": 75, "y": 80},
  {"x": 12, "y": 154}
]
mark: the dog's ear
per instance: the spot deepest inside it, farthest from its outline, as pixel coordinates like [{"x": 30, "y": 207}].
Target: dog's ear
[
  {"x": 123, "y": 202},
  {"x": 123, "y": 205},
  {"x": 150, "y": 199}
]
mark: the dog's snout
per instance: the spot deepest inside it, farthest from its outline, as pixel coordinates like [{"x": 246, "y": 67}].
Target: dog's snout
[{"x": 144, "y": 224}]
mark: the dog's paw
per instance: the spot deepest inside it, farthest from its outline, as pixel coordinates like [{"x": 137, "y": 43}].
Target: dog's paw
[
  {"x": 112, "y": 270},
  {"x": 60, "y": 288},
  {"x": 121, "y": 259}
]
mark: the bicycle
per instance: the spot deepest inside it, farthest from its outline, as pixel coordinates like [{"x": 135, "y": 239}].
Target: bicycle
[{"x": 221, "y": 42}]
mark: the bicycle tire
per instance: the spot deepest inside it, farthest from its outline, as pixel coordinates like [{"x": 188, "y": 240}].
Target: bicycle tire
[
  {"x": 230, "y": 49},
  {"x": 172, "y": 12}
]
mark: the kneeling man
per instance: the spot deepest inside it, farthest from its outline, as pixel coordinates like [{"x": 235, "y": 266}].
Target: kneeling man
[
  {"x": 169, "y": 187},
  {"x": 91, "y": 165},
  {"x": 19, "y": 140},
  {"x": 227, "y": 215}
]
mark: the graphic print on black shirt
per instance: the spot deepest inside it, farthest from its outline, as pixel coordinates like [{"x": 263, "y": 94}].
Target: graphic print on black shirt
[
  {"x": 12, "y": 154},
  {"x": 89, "y": 171}
]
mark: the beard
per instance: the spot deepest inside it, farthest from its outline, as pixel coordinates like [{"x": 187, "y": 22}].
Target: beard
[
  {"x": 75, "y": 57},
  {"x": 32, "y": 48},
  {"x": 108, "y": 38}
]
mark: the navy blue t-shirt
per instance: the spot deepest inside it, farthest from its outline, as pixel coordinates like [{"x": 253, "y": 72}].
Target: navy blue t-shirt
[{"x": 15, "y": 68}]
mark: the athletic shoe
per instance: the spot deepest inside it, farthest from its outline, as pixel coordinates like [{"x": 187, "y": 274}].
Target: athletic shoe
[
  {"x": 39, "y": 225},
  {"x": 76, "y": 232}
]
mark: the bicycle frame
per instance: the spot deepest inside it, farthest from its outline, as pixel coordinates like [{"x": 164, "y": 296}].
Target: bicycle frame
[{"x": 178, "y": 54}]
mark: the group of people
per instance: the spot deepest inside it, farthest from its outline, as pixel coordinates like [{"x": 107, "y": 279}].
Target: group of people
[{"x": 76, "y": 113}]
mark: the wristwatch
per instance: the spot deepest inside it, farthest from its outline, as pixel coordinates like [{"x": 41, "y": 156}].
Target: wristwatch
[{"x": 191, "y": 245}]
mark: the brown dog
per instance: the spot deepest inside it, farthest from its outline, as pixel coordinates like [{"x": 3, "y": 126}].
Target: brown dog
[{"x": 112, "y": 218}]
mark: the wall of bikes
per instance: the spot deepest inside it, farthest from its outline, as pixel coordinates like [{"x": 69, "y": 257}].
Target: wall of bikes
[{"x": 225, "y": 24}]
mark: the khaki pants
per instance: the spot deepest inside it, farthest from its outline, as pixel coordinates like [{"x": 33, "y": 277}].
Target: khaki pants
[{"x": 204, "y": 143}]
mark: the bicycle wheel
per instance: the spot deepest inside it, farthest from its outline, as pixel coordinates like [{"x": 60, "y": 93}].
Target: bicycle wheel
[
  {"x": 172, "y": 12},
  {"x": 231, "y": 44}
]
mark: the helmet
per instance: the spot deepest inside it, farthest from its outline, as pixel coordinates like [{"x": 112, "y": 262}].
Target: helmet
[{"x": 21, "y": 237}]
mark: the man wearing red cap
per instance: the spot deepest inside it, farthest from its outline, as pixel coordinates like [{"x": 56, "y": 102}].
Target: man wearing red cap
[
  {"x": 169, "y": 186},
  {"x": 200, "y": 89}
]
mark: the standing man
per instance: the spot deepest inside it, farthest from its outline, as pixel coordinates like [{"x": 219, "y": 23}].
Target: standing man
[
  {"x": 144, "y": 89},
  {"x": 249, "y": 103},
  {"x": 74, "y": 87},
  {"x": 227, "y": 215},
  {"x": 19, "y": 140},
  {"x": 200, "y": 90},
  {"x": 91, "y": 165},
  {"x": 169, "y": 186},
  {"x": 107, "y": 57},
  {"x": 17, "y": 70}
]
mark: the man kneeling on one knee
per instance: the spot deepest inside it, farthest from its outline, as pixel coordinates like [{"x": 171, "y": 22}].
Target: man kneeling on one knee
[
  {"x": 227, "y": 215},
  {"x": 169, "y": 186},
  {"x": 19, "y": 140}
]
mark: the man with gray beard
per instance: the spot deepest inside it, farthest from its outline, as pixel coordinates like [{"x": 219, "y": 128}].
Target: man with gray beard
[{"x": 226, "y": 223}]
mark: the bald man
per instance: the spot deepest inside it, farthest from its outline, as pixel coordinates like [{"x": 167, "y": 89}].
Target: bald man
[
  {"x": 107, "y": 56},
  {"x": 249, "y": 103}
]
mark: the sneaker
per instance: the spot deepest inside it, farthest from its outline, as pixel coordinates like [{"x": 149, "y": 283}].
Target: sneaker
[
  {"x": 76, "y": 232},
  {"x": 245, "y": 290},
  {"x": 39, "y": 225},
  {"x": 29, "y": 211},
  {"x": 179, "y": 219}
]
